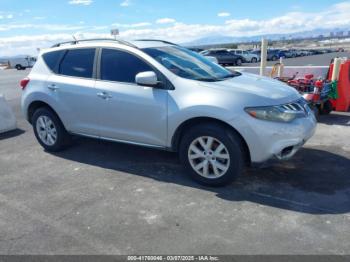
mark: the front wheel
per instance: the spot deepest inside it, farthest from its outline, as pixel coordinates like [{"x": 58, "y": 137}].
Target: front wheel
[
  {"x": 327, "y": 108},
  {"x": 212, "y": 155},
  {"x": 254, "y": 60}
]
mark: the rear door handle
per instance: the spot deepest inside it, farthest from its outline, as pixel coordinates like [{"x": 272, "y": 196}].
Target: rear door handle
[
  {"x": 52, "y": 87},
  {"x": 104, "y": 95}
]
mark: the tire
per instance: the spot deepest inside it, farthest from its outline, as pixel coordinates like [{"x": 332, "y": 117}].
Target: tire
[
  {"x": 274, "y": 58},
  {"x": 50, "y": 125},
  {"x": 327, "y": 108},
  {"x": 316, "y": 111},
  {"x": 214, "y": 172},
  {"x": 254, "y": 60},
  {"x": 239, "y": 62},
  {"x": 19, "y": 67}
]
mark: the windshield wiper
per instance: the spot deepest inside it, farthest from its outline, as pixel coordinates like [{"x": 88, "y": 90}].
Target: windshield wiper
[
  {"x": 235, "y": 74},
  {"x": 208, "y": 79}
]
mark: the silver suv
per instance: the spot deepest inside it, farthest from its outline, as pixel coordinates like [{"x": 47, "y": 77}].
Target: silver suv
[{"x": 160, "y": 95}]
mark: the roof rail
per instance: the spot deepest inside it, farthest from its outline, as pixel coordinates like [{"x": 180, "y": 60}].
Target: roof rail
[
  {"x": 157, "y": 40},
  {"x": 74, "y": 42}
]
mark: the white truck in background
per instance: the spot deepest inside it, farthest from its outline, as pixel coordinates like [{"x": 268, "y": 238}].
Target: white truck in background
[
  {"x": 248, "y": 56},
  {"x": 21, "y": 63}
]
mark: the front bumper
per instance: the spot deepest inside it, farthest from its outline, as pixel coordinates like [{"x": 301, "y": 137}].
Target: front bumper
[{"x": 267, "y": 140}]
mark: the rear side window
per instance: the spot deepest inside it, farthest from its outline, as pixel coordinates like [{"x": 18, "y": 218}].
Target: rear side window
[
  {"x": 78, "y": 63},
  {"x": 52, "y": 59},
  {"x": 121, "y": 66}
]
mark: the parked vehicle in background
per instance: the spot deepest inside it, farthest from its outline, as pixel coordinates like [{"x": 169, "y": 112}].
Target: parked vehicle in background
[
  {"x": 290, "y": 53},
  {"x": 299, "y": 52},
  {"x": 167, "y": 97},
  {"x": 212, "y": 59},
  {"x": 306, "y": 52},
  {"x": 272, "y": 54},
  {"x": 21, "y": 63},
  {"x": 248, "y": 56},
  {"x": 316, "y": 52},
  {"x": 224, "y": 57},
  {"x": 195, "y": 49}
]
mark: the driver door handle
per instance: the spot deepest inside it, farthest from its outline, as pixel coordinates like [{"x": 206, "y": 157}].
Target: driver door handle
[
  {"x": 104, "y": 95},
  {"x": 52, "y": 87}
]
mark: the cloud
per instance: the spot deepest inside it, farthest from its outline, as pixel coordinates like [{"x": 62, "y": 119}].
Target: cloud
[
  {"x": 142, "y": 24},
  {"x": 224, "y": 14},
  {"x": 335, "y": 16},
  {"x": 80, "y": 2},
  {"x": 47, "y": 27},
  {"x": 6, "y": 16},
  {"x": 125, "y": 3},
  {"x": 165, "y": 21}
]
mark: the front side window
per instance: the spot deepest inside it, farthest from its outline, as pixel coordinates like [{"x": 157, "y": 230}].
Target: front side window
[
  {"x": 120, "y": 66},
  {"x": 187, "y": 64},
  {"x": 78, "y": 63}
]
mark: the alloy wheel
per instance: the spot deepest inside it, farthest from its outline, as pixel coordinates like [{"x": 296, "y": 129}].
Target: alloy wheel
[
  {"x": 46, "y": 130},
  {"x": 209, "y": 157}
]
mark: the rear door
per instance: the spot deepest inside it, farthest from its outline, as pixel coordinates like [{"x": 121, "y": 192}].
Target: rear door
[
  {"x": 72, "y": 86},
  {"x": 228, "y": 57}
]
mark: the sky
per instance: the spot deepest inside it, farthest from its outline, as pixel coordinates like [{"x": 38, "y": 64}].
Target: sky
[{"x": 31, "y": 24}]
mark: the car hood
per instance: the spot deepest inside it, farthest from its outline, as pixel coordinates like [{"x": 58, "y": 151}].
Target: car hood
[{"x": 260, "y": 89}]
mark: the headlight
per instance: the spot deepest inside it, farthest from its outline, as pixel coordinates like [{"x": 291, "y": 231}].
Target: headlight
[{"x": 273, "y": 113}]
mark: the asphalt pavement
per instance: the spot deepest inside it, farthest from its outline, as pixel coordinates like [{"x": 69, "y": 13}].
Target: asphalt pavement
[{"x": 108, "y": 198}]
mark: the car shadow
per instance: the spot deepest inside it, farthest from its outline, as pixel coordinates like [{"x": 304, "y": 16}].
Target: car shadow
[
  {"x": 335, "y": 118},
  {"x": 314, "y": 181},
  {"x": 11, "y": 134}
]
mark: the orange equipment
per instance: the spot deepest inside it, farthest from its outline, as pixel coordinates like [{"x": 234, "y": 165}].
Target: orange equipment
[{"x": 342, "y": 103}]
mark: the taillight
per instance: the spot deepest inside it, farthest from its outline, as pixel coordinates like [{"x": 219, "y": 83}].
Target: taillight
[{"x": 24, "y": 82}]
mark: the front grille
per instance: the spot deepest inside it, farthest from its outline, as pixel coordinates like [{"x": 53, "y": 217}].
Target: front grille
[{"x": 299, "y": 106}]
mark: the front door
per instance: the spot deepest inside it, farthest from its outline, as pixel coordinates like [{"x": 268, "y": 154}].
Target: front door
[{"x": 129, "y": 112}]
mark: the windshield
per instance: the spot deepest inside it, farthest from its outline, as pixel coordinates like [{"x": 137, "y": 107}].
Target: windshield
[{"x": 187, "y": 64}]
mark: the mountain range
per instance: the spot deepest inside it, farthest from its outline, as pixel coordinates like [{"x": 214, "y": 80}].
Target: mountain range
[{"x": 222, "y": 39}]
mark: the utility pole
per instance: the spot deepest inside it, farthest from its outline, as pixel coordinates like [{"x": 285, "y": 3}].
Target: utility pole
[{"x": 263, "y": 52}]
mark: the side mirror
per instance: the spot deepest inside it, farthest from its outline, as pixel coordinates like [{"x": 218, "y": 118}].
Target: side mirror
[{"x": 148, "y": 78}]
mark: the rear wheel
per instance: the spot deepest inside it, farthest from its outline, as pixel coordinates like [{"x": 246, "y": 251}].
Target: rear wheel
[
  {"x": 212, "y": 155},
  {"x": 274, "y": 58},
  {"x": 49, "y": 130},
  {"x": 254, "y": 60},
  {"x": 19, "y": 67},
  {"x": 239, "y": 62}
]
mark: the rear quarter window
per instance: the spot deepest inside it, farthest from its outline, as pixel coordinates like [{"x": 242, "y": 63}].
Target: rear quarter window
[{"x": 52, "y": 59}]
